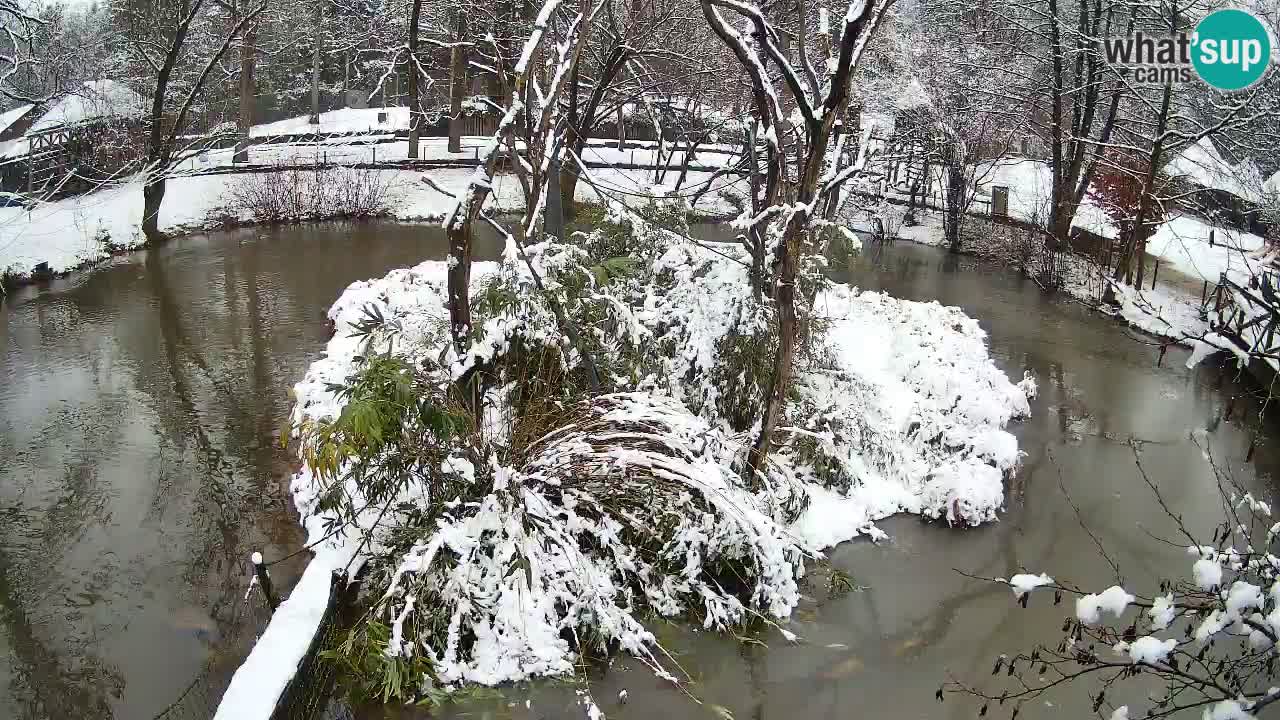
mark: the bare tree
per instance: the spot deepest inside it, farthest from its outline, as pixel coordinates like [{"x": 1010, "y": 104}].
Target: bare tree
[
  {"x": 160, "y": 37},
  {"x": 415, "y": 99},
  {"x": 787, "y": 204},
  {"x": 457, "y": 79}
]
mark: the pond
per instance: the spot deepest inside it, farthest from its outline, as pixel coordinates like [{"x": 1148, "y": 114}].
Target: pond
[
  {"x": 139, "y": 416},
  {"x": 142, "y": 403}
]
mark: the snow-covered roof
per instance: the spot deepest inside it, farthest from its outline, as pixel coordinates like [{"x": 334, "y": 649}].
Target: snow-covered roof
[
  {"x": 345, "y": 120},
  {"x": 9, "y": 117},
  {"x": 914, "y": 96},
  {"x": 93, "y": 100},
  {"x": 1272, "y": 185},
  {"x": 1202, "y": 165}
]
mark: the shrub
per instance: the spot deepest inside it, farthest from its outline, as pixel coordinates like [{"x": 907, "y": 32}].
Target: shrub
[{"x": 300, "y": 194}]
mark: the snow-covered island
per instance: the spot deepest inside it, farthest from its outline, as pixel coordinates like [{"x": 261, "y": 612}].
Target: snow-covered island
[{"x": 560, "y": 535}]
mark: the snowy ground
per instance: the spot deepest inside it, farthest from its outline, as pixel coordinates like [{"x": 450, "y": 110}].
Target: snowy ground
[
  {"x": 79, "y": 231},
  {"x": 1030, "y": 184},
  {"x": 1183, "y": 244},
  {"x": 384, "y": 148},
  {"x": 1170, "y": 309}
]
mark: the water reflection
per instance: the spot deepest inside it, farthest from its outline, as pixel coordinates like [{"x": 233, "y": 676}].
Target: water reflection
[{"x": 138, "y": 413}]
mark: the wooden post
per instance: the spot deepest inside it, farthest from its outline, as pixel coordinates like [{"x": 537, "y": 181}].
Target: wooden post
[
  {"x": 264, "y": 579},
  {"x": 1210, "y": 237},
  {"x": 1155, "y": 270}
]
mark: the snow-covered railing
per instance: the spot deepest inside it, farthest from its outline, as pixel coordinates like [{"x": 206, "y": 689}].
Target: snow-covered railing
[
  {"x": 283, "y": 677},
  {"x": 1243, "y": 320}
]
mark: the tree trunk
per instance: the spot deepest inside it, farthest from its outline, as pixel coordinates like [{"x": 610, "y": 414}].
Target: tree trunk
[
  {"x": 1148, "y": 182},
  {"x": 784, "y": 357},
  {"x": 317, "y": 39},
  {"x": 248, "y": 61},
  {"x": 457, "y": 84},
  {"x": 152, "y": 198},
  {"x": 582, "y": 121},
  {"x": 459, "y": 278},
  {"x": 568, "y": 183},
  {"x": 415, "y": 104},
  {"x": 622, "y": 129}
]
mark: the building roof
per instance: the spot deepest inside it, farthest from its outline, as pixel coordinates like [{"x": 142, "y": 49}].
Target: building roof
[
  {"x": 9, "y": 117},
  {"x": 92, "y": 100},
  {"x": 913, "y": 96},
  {"x": 1203, "y": 165}
]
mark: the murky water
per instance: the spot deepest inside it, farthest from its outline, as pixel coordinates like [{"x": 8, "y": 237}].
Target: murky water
[
  {"x": 915, "y": 621},
  {"x": 138, "y": 413},
  {"x": 139, "y": 408}
]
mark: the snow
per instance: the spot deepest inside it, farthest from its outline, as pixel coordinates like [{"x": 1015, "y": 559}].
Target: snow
[
  {"x": 66, "y": 234},
  {"x": 1242, "y": 596},
  {"x": 913, "y": 96},
  {"x": 1025, "y": 583},
  {"x": 917, "y": 414},
  {"x": 9, "y": 117},
  {"x": 1207, "y": 573},
  {"x": 1167, "y": 310},
  {"x": 1256, "y": 506},
  {"x": 262, "y": 677},
  {"x": 1210, "y": 626},
  {"x": 1183, "y": 243},
  {"x": 915, "y": 371},
  {"x": 343, "y": 121},
  {"x": 1203, "y": 165},
  {"x": 74, "y": 232},
  {"x": 1030, "y": 184},
  {"x": 1162, "y": 612},
  {"x": 1120, "y": 713},
  {"x": 1028, "y": 385},
  {"x": 1226, "y": 710},
  {"x": 93, "y": 100},
  {"x": 1114, "y": 600},
  {"x": 1150, "y": 650}
]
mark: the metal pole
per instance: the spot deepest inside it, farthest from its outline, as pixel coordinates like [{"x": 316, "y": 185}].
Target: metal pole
[{"x": 264, "y": 579}]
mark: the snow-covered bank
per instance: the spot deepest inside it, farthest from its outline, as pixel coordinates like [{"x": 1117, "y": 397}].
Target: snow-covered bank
[
  {"x": 1168, "y": 309},
  {"x": 76, "y": 232},
  {"x": 1184, "y": 244}
]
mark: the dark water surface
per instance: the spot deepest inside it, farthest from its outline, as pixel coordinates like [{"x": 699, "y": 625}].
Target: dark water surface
[
  {"x": 139, "y": 406},
  {"x": 138, "y": 469}
]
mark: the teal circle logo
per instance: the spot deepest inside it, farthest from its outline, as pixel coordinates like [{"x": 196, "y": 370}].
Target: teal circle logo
[{"x": 1232, "y": 49}]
